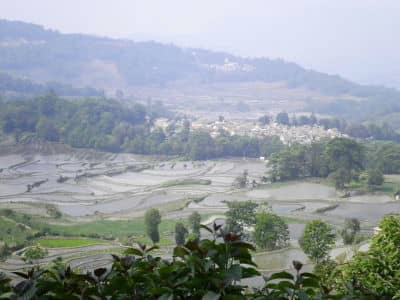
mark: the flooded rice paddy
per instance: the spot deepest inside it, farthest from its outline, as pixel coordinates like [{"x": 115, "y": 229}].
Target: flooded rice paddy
[{"x": 125, "y": 186}]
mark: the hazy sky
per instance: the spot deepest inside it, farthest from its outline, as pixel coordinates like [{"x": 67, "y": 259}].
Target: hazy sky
[{"x": 359, "y": 39}]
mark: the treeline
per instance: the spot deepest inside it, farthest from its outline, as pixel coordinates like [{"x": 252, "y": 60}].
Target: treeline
[
  {"x": 342, "y": 159},
  {"x": 110, "y": 126},
  {"x": 357, "y": 130},
  {"x": 201, "y": 146},
  {"x": 18, "y": 86}
]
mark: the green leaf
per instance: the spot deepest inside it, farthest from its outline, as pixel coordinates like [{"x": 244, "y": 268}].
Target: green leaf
[
  {"x": 206, "y": 228},
  {"x": 133, "y": 251},
  {"x": 310, "y": 282},
  {"x": 180, "y": 252},
  {"x": 286, "y": 284},
  {"x": 235, "y": 272},
  {"x": 155, "y": 247},
  {"x": 303, "y": 295},
  {"x": 281, "y": 275},
  {"x": 306, "y": 274},
  {"x": 249, "y": 272}
]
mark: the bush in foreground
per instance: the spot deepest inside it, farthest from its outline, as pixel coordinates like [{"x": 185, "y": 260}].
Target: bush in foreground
[{"x": 213, "y": 269}]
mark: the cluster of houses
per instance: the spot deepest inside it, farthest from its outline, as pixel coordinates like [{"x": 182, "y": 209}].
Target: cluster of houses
[{"x": 288, "y": 134}]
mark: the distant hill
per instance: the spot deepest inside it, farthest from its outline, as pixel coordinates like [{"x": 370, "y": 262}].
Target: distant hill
[{"x": 28, "y": 50}]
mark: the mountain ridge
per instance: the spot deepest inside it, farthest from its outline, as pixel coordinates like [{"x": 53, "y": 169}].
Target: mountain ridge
[
  {"x": 28, "y": 50},
  {"x": 34, "y": 36}
]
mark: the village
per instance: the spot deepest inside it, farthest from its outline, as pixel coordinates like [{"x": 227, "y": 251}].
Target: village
[{"x": 305, "y": 134}]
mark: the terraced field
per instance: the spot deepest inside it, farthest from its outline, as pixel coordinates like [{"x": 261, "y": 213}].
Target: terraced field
[{"x": 102, "y": 199}]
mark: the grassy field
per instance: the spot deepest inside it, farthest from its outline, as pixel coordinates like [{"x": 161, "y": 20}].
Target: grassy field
[
  {"x": 13, "y": 233},
  {"x": 66, "y": 243},
  {"x": 16, "y": 227},
  {"x": 111, "y": 229}
]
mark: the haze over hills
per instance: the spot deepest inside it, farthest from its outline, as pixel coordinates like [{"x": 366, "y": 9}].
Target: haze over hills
[
  {"x": 228, "y": 166},
  {"x": 176, "y": 75}
]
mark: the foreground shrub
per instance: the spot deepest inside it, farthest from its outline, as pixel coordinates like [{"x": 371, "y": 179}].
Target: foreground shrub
[
  {"x": 35, "y": 252},
  {"x": 214, "y": 269},
  {"x": 377, "y": 272}
]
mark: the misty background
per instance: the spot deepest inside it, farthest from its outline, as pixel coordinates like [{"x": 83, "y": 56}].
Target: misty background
[{"x": 356, "y": 39}]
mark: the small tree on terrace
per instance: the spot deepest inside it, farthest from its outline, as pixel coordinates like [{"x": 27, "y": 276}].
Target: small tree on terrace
[
  {"x": 152, "y": 219},
  {"x": 180, "y": 233},
  {"x": 239, "y": 214},
  {"x": 350, "y": 230},
  {"x": 271, "y": 232},
  {"x": 375, "y": 177},
  {"x": 317, "y": 240},
  {"x": 340, "y": 177},
  {"x": 194, "y": 223}
]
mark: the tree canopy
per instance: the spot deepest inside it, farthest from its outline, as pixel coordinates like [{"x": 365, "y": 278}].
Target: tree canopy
[
  {"x": 270, "y": 232},
  {"x": 317, "y": 240},
  {"x": 152, "y": 219}
]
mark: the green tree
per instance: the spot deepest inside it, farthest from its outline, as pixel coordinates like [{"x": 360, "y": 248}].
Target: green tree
[
  {"x": 375, "y": 177},
  {"x": 291, "y": 163},
  {"x": 201, "y": 146},
  {"x": 35, "y": 253},
  {"x": 240, "y": 214},
  {"x": 340, "y": 177},
  {"x": 329, "y": 274},
  {"x": 152, "y": 220},
  {"x": 350, "y": 230},
  {"x": 46, "y": 130},
  {"x": 282, "y": 118},
  {"x": 271, "y": 232},
  {"x": 317, "y": 240},
  {"x": 344, "y": 153},
  {"x": 387, "y": 158},
  {"x": 180, "y": 234},
  {"x": 194, "y": 223},
  {"x": 264, "y": 120},
  {"x": 377, "y": 271}
]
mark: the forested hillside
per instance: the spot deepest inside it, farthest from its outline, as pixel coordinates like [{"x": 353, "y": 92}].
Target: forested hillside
[
  {"x": 11, "y": 87},
  {"x": 46, "y": 55}
]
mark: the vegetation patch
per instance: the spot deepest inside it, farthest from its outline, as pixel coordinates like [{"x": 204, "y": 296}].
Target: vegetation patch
[
  {"x": 68, "y": 243},
  {"x": 110, "y": 229},
  {"x": 13, "y": 233},
  {"x": 186, "y": 182},
  {"x": 326, "y": 208},
  {"x": 35, "y": 253}
]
